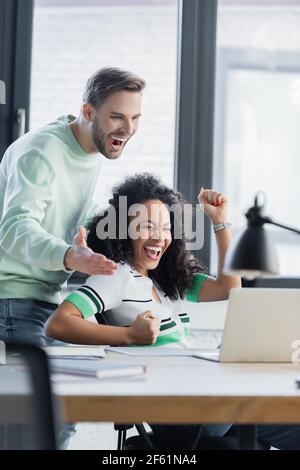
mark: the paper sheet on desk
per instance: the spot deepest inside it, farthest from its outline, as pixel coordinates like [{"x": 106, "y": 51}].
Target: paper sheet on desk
[
  {"x": 75, "y": 379},
  {"x": 76, "y": 351},
  {"x": 158, "y": 351}
]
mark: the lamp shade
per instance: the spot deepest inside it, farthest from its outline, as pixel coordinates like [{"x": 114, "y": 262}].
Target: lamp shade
[{"x": 252, "y": 255}]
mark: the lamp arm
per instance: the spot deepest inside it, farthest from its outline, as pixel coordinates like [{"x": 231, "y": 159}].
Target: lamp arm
[{"x": 267, "y": 220}]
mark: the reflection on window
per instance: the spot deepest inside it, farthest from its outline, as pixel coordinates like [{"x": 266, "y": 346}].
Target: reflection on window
[
  {"x": 261, "y": 141},
  {"x": 257, "y": 137},
  {"x": 71, "y": 39}
]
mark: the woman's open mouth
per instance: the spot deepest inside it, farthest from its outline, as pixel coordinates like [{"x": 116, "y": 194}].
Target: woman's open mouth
[{"x": 153, "y": 252}]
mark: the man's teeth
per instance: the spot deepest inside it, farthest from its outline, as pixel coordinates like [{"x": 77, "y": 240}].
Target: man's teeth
[{"x": 118, "y": 139}]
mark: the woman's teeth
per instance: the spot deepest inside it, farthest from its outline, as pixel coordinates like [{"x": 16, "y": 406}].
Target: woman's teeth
[{"x": 153, "y": 251}]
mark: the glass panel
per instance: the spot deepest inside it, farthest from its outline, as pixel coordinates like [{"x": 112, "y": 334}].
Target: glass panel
[
  {"x": 71, "y": 39},
  {"x": 258, "y": 113},
  {"x": 261, "y": 140}
]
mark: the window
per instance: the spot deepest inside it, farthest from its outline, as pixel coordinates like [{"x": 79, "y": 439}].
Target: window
[
  {"x": 257, "y": 115},
  {"x": 71, "y": 39}
]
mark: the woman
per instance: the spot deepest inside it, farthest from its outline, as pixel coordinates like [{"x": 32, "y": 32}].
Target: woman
[{"x": 142, "y": 302}]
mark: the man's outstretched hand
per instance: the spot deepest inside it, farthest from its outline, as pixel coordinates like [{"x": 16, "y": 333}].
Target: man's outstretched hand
[{"x": 81, "y": 258}]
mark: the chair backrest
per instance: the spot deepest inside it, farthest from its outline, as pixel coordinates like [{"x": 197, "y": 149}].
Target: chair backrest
[{"x": 27, "y": 401}]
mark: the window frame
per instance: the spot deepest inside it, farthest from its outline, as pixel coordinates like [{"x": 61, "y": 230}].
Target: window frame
[
  {"x": 16, "y": 18},
  {"x": 195, "y": 98}
]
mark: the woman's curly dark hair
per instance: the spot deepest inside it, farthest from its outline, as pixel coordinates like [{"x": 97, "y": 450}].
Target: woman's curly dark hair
[{"x": 176, "y": 267}]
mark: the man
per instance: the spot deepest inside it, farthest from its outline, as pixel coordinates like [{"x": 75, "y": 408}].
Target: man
[{"x": 47, "y": 180}]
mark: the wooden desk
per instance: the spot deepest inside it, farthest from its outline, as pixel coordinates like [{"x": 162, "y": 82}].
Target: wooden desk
[
  {"x": 188, "y": 390},
  {"x": 175, "y": 390}
]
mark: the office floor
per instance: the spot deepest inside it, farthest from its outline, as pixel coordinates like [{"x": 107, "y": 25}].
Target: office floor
[
  {"x": 102, "y": 436},
  {"x": 94, "y": 436}
]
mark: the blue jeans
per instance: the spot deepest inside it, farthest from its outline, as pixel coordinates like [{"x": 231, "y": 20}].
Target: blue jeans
[{"x": 23, "y": 320}]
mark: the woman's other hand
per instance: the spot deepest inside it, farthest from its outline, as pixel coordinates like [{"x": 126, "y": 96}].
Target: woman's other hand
[{"x": 214, "y": 204}]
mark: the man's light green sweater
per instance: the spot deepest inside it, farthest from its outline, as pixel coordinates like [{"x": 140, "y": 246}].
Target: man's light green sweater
[{"x": 46, "y": 186}]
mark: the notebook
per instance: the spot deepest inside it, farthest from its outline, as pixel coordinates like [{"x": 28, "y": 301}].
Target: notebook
[
  {"x": 74, "y": 351},
  {"x": 99, "y": 369}
]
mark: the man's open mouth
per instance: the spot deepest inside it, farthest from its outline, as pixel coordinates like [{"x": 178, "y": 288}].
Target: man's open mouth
[{"x": 116, "y": 142}]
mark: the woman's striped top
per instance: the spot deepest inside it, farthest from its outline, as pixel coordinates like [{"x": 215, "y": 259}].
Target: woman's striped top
[{"x": 124, "y": 295}]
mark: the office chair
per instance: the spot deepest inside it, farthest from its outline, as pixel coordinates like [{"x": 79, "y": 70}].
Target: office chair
[
  {"x": 27, "y": 369},
  {"x": 147, "y": 440}
]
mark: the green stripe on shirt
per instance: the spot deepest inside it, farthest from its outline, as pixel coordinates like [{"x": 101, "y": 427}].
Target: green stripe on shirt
[
  {"x": 164, "y": 340},
  {"x": 185, "y": 320},
  {"x": 81, "y": 303},
  {"x": 167, "y": 326},
  {"x": 193, "y": 294},
  {"x": 92, "y": 297}
]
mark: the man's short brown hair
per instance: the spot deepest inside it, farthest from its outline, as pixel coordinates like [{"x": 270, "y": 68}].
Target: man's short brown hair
[{"x": 106, "y": 81}]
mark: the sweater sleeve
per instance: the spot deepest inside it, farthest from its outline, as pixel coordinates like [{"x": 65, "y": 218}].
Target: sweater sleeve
[
  {"x": 94, "y": 209},
  {"x": 192, "y": 295},
  {"x": 29, "y": 188}
]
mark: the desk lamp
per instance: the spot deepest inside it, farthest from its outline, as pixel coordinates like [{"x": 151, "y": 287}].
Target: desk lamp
[{"x": 252, "y": 254}]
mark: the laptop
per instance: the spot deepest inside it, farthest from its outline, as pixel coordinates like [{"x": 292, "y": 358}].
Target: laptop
[{"x": 262, "y": 325}]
